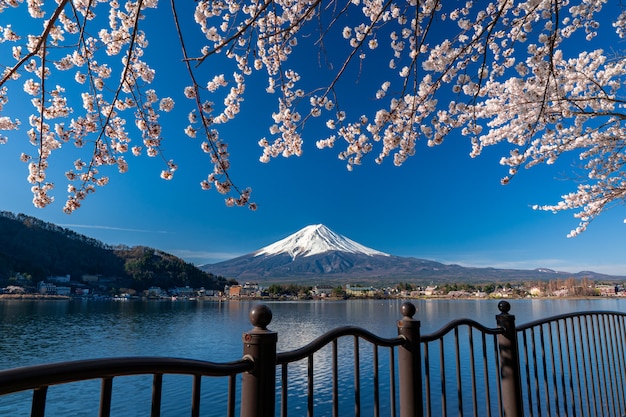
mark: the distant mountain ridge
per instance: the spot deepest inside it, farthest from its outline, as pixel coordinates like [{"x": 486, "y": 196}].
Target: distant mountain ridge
[{"x": 316, "y": 252}]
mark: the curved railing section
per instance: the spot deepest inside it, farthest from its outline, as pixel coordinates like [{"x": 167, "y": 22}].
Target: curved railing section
[
  {"x": 461, "y": 358},
  {"x": 39, "y": 377},
  {"x": 574, "y": 364},
  {"x": 332, "y": 338}
]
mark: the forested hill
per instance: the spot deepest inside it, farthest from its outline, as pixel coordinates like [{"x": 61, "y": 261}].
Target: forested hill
[{"x": 40, "y": 249}]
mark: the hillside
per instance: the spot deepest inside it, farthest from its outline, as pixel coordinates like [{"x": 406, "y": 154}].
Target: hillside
[{"x": 32, "y": 247}]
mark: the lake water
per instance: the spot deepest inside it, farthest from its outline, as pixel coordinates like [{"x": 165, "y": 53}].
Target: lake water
[{"x": 35, "y": 332}]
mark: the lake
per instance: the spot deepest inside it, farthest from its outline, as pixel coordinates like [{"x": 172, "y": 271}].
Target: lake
[{"x": 35, "y": 332}]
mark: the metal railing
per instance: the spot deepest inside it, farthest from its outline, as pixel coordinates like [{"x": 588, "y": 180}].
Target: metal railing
[
  {"x": 574, "y": 365},
  {"x": 567, "y": 365}
]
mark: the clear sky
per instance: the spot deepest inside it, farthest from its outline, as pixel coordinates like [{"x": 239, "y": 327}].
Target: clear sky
[{"x": 440, "y": 205}]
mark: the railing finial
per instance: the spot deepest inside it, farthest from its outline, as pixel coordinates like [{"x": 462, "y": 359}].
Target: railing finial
[
  {"x": 408, "y": 309},
  {"x": 260, "y": 316},
  {"x": 258, "y": 386},
  {"x": 504, "y": 307}
]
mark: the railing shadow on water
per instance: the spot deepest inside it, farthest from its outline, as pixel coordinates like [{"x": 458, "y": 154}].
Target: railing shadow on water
[{"x": 567, "y": 365}]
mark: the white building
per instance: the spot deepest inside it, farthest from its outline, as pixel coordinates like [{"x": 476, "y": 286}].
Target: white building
[
  {"x": 46, "y": 288},
  {"x": 322, "y": 290}
]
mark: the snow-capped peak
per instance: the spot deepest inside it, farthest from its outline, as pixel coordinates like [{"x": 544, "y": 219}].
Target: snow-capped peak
[{"x": 315, "y": 239}]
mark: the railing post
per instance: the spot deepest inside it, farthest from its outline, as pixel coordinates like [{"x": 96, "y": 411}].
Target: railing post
[
  {"x": 510, "y": 376},
  {"x": 258, "y": 387},
  {"x": 409, "y": 363}
]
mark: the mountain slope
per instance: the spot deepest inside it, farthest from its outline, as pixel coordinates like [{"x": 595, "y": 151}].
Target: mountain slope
[
  {"x": 316, "y": 252},
  {"x": 39, "y": 249}
]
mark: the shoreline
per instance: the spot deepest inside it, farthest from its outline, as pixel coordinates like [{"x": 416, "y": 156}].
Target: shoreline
[
  {"x": 33, "y": 297},
  {"x": 47, "y": 297}
]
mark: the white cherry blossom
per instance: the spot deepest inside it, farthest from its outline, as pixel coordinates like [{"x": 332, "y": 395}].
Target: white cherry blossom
[{"x": 540, "y": 78}]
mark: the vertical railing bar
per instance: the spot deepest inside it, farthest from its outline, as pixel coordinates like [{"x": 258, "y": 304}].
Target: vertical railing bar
[
  {"x": 310, "y": 385},
  {"x": 284, "y": 390},
  {"x": 232, "y": 388},
  {"x": 392, "y": 381},
  {"x": 576, "y": 361},
  {"x": 598, "y": 385},
  {"x": 427, "y": 380},
  {"x": 38, "y": 405},
  {"x": 559, "y": 343},
  {"x": 605, "y": 363},
  {"x": 486, "y": 372},
  {"x": 616, "y": 386},
  {"x": 536, "y": 370},
  {"x": 612, "y": 365},
  {"x": 620, "y": 348},
  {"x": 568, "y": 355},
  {"x": 442, "y": 374},
  {"x": 105, "y": 397},
  {"x": 545, "y": 369},
  {"x": 601, "y": 360},
  {"x": 582, "y": 360},
  {"x": 472, "y": 370},
  {"x": 604, "y": 353},
  {"x": 335, "y": 380},
  {"x": 590, "y": 354},
  {"x": 584, "y": 347},
  {"x": 195, "y": 395},
  {"x": 376, "y": 393},
  {"x": 496, "y": 355},
  {"x": 528, "y": 373},
  {"x": 553, "y": 368},
  {"x": 614, "y": 368},
  {"x": 157, "y": 393},
  {"x": 597, "y": 351},
  {"x": 357, "y": 379},
  {"x": 459, "y": 389},
  {"x": 622, "y": 357}
]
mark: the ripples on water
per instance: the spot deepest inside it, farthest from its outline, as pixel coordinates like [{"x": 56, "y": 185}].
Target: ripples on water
[{"x": 35, "y": 332}]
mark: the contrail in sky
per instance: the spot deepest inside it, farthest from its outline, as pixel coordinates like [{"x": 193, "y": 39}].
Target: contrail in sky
[{"x": 122, "y": 229}]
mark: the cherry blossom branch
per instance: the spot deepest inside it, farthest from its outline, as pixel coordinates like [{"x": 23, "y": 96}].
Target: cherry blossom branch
[
  {"x": 219, "y": 159},
  {"x": 37, "y": 47},
  {"x": 234, "y": 36}
]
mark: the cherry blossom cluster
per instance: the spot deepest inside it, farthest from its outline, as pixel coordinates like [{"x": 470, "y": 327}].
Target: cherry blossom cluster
[
  {"x": 96, "y": 118},
  {"x": 530, "y": 75},
  {"x": 113, "y": 81}
]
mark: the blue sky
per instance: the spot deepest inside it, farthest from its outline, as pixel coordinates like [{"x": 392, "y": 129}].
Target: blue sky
[{"x": 440, "y": 205}]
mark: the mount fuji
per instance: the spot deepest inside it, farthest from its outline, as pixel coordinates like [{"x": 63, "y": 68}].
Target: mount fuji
[
  {"x": 314, "y": 240},
  {"x": 316, "y": 252}
]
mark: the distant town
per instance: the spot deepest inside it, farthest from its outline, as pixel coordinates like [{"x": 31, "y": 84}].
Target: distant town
[{"x": 97, "y": 287}]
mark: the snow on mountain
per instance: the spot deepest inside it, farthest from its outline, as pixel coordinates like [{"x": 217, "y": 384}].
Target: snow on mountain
[{"x": 314, "y": 240}]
